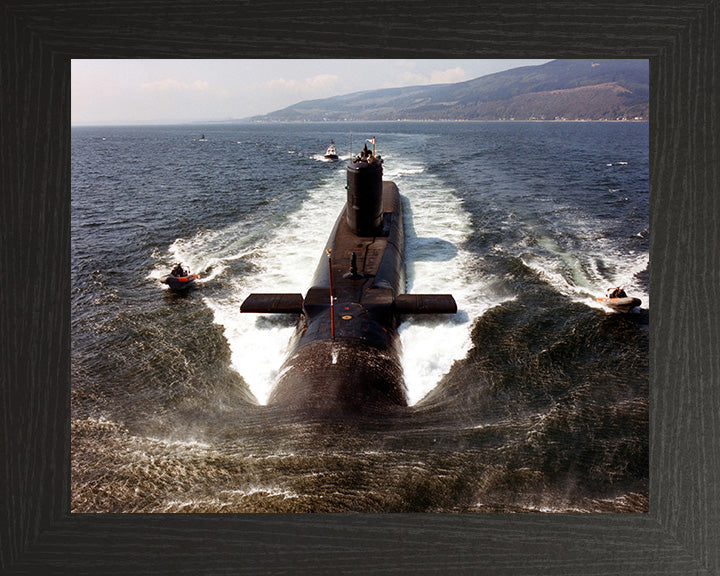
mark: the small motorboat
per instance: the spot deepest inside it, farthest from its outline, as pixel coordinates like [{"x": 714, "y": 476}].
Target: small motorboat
[
  {"x": 180, "y": 279},
  {"x": 621, "y": 304},
  {"x": 617, "y": 300},
  {"x": 331, "y": 152}
]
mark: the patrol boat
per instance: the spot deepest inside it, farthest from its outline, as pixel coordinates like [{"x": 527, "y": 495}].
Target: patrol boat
[
  {"x": 331, "y": 152},
  {"x": 179, "y": 279}
]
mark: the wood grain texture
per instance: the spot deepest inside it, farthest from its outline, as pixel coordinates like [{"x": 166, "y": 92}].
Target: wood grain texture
[{"x": 38, "y": 535}]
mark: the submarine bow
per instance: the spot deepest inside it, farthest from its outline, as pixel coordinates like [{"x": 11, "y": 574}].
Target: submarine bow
[{"x": 345, "y": 352}]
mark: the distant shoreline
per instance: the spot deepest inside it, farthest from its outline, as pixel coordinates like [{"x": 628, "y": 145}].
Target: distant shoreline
[
  {"x": 294, "y": 122},
  {"x": 430, "y": 121}
]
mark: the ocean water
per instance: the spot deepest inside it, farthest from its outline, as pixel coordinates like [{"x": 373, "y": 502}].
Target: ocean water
[{"x": 533, "y": 398}]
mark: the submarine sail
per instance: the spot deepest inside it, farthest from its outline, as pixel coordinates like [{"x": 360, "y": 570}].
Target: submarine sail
[{"x": 345, "y": 352}]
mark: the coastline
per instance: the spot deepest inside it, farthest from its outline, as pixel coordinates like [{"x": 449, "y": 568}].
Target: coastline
[{"x": 310, "y": 122}]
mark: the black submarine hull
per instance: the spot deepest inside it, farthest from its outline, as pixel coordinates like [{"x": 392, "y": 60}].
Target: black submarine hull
[{"x": 345, "y": 352}]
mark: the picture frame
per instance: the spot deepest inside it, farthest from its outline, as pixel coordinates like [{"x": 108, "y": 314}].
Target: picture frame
[{"x": 38, "y": 534}]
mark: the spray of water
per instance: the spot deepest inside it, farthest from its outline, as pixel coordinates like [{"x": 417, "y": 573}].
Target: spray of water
[
  {"x": 285, "y": 252},
  {"x": 283, "y": 261},
  {"x": 583, "y": 277},
  {"x": 436, "y": 227}
]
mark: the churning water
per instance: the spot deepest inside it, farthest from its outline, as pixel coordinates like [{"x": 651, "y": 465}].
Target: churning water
[{"x": 532, "y": 398}]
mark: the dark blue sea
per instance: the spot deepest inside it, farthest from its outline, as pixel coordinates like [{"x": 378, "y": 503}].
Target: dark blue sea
[{"x": 533, "y": 398}]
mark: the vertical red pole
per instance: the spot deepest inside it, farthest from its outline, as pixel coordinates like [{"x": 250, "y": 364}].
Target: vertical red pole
[{"x": 332, "y": 300}]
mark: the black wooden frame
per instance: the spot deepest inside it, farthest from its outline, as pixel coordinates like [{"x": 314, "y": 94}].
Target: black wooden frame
[{"x": 681, "y": 533}]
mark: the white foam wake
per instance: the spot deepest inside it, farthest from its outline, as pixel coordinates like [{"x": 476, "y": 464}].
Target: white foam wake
[
  {"x": 588, "y": 275},
  {"x": 285, "y": 252},
  {"x": 436, "y": 227},
  {"x": 284, "y": 263}
]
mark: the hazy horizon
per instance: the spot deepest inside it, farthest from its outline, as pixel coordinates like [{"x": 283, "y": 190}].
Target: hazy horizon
[{"x": 158, "y": 92}]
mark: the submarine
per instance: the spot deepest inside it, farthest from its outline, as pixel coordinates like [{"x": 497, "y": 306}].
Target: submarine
[{"x": 345, "y": 351}]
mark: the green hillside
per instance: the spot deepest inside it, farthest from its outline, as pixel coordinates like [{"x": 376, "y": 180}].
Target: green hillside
[{"x": 561, "y": 89}]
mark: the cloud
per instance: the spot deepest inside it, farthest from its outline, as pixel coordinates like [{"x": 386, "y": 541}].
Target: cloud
[
  {"x": 308, "y": 85},
  {"x": 449, "y": 76},
  {"x": 410, "y": 78},
  {"x": 172, "y": 85}
]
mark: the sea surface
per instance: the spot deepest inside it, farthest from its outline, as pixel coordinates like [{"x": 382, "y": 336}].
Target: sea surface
[{"x": 533, "y": 398}]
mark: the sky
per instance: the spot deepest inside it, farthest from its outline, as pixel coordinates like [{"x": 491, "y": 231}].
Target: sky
[{"x": 120, "y": 92}]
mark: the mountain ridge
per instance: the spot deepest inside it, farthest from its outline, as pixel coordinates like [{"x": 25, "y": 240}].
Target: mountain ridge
[{"x": 558, "y": 90}]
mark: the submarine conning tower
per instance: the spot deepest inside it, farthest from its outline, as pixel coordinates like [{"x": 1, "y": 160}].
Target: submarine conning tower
[{"x": 364, "y": 194}]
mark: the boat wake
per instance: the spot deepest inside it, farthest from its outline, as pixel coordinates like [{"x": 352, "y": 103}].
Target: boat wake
[
  {"x": 281, "y": 256},
  {"x": 585, "y": 278},
  {"x": 436, "y": 227}
]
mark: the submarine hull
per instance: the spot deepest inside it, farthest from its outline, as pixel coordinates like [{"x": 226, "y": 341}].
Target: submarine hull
[
  {"x": 345, "y": 356},
  {"x": 345, "y": 353},
  {"x": 340, "y": 376}
]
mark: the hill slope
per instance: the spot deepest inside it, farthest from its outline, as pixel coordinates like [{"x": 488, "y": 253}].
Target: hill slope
[{"x": 561, "y": 89}]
